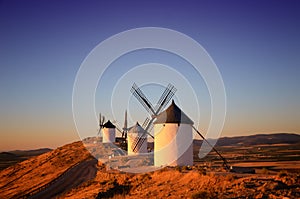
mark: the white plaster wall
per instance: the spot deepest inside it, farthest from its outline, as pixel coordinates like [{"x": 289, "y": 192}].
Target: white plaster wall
[
  {"x": 131, "y": 139},
  {"x": 109, "y": 135},
  {"x": 173, "y": 144}
]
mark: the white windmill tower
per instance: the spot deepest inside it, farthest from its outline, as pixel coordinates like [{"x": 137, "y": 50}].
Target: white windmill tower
[
  {"x": 109, "y": 132},
  {"x": 136, "y": 133},
  {"x": 173, "y": 143}
]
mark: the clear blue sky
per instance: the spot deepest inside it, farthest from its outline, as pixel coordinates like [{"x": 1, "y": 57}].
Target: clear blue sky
[{"x": 255, "y": 44}]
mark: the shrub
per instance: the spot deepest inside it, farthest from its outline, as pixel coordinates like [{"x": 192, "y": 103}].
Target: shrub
[
  {"x": 202, "y": 171},
  {"x": 201, "y": 194},
  {"x": 282, "y": 174},
  {"x": 178, "y": 168}
]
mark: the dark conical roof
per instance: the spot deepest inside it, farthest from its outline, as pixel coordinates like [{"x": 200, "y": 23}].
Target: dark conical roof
[
  {"x": 137, "y": 129},
  {"x": 108, "y": 124},
  {"x": 173, "y": 114}
]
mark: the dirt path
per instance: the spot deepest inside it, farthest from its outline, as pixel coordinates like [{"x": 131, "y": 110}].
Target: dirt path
[{"x": 81, "y": 173}]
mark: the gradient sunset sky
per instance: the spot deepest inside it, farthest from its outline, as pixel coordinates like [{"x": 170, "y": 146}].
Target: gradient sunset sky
[{"x": 255, "y": 44}]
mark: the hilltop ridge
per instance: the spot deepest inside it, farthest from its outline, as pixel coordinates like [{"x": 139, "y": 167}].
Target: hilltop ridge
[{"x": 71, "y": 172}]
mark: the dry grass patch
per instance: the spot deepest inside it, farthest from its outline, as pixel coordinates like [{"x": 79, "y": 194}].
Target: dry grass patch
[{"x": 40, "y": 170}]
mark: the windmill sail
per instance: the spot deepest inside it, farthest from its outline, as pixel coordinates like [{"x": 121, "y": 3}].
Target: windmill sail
[
  {"x": 125, "y": 121},
  {"x": 142, "y": 99},
  {"x": 162, "y": 102},
  {"x": 101, "y": 122},
  {"x": 146, "y": 122},
  {"x": 165, "y": 98},
  {"x": 125, "y": 129},
  {"x": 138, "y": 143}
]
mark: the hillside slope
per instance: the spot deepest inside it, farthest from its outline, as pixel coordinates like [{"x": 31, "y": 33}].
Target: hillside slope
[
  {"x": 70, "y": 172},
  {"x": 35, "y": 172},
  {"x": 195, "y": 183}
]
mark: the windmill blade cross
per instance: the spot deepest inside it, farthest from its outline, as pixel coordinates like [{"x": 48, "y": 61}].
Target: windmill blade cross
[
  {"x": 101, "y": 121},
  {"x": 142, "y": 98},
  {"x": 125, "y": 129},
  {"x": 146, "y": 122},
  {"x": 165, "y": 98},
  {"x": 125, "y": 121},
  {"x": 162, "y": 102},
  {"x": 139, "y": 141},
  {"x": 135, "y": 143},
  {"x": 99, "y": 132}
]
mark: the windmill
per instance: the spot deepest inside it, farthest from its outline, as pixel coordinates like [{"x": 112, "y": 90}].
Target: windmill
[
  {"x": 125, "y": 129},
  {"x": 101, "y": 123},
  {"x": 176, "y": 135},
  {"x": 122, "y": 141},
  {"x": 154, "y": 111}
]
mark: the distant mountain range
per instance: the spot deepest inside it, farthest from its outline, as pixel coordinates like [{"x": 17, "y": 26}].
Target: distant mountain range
[
  {"x": 259, "y": 139},
  {"x": 13, "y": 157},
  {"x": 23, "y": 153}
]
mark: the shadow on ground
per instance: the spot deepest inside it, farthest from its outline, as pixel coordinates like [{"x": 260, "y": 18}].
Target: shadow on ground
[{"x": 115, "y": 189}]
